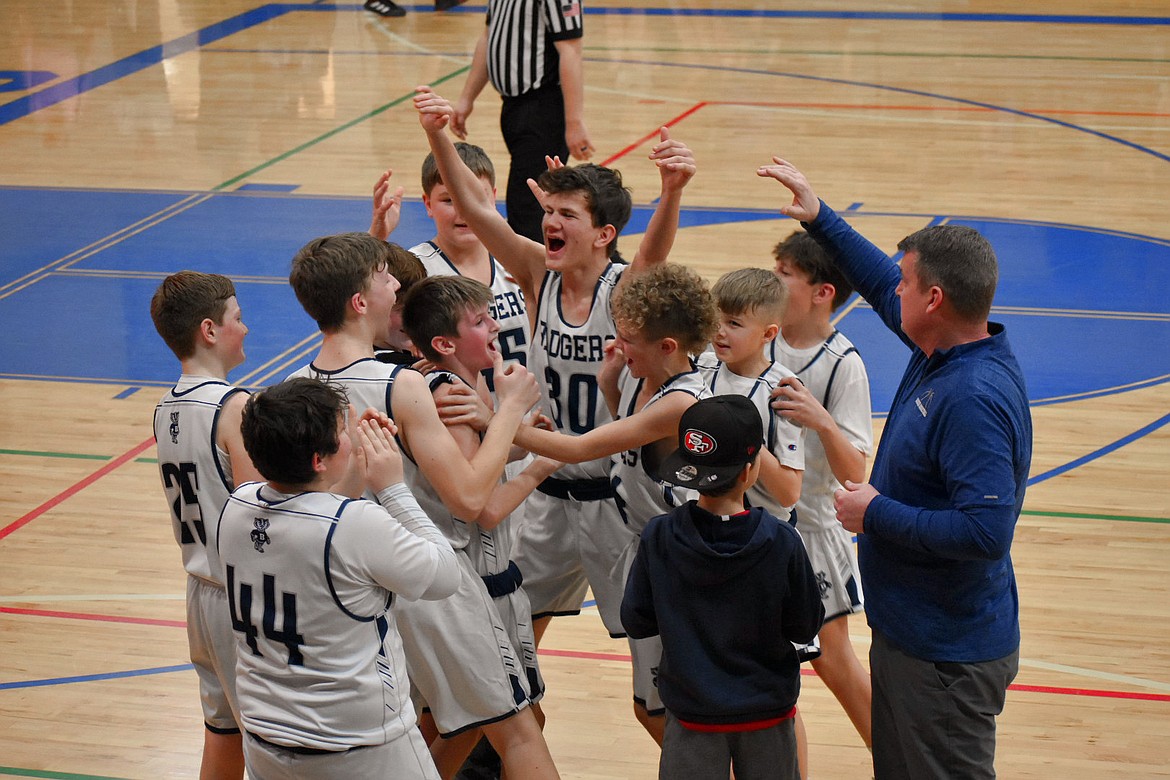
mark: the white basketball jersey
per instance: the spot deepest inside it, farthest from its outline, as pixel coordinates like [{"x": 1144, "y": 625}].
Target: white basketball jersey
[
  {"x": 786, "y": 440},
  {"x": 507, "y": 308},
  {"x": 310, "y": 578},
  {"x": 835, "y": 374},
  {"x": 369, "y": 383},
  {"x": 634, "y": 473},
  {"x": 566, "y": 358},
  {"x": 196, "y": 474}
]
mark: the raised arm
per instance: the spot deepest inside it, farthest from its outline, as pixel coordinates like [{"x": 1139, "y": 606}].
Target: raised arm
[
  {"x": 387, "y": 208},
  {"x": 868, "y": 268},
  {"x": 676, "y": 167},
  {"x": 522, "y": 257}
]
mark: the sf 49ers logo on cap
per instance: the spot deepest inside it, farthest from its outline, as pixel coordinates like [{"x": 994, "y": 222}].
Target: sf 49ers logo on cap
[{"x": 698, "y": 442}]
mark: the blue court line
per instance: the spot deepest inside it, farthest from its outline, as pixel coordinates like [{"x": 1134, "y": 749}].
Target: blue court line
[
  {"x": 95, "y": 677},
  {"x": 70, "y": 88},
  {"x": 1108, "y": 448}
]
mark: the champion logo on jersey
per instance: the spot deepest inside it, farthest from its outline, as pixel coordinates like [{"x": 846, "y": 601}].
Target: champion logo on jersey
[
  {"x": 698, "y": 442},
  {"x": 259, "y": 534},
  {"x": 174, "y": 429},
  {"x": 570, "y": 9},
  {"x": 923, "y": 402}
]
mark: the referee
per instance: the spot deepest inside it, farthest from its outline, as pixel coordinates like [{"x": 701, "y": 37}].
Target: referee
[{"x": 531, "y": 52}]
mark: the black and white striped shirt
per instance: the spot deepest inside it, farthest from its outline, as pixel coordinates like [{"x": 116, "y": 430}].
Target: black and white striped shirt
[{"x": 522, "y": 55}]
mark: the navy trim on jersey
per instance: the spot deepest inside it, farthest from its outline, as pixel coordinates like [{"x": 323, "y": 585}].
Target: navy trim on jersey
[
  {"x": 328, "y": 569},
  {"x": 604, "y": 276}
]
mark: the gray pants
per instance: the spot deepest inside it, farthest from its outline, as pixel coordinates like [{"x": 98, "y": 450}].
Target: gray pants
[
  {"x": 935, "y": 720},
  {"x": 767, "y": 754}
]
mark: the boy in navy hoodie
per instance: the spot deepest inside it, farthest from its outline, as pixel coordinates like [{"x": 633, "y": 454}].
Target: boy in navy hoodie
[{"x": 728, "y": 590}]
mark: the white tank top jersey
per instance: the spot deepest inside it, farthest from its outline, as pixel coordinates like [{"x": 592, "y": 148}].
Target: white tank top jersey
[
  {"x": 196, "y": 474},
  {"x": 566, "y": 358},
  {"x": 835, "y": 374},
  {"x": 507, "y": 308},
  {"x": 310, "y": 578},
  {"x": 641, "y": 496},
  {"x": 370, "y": 383},
  {"x": 786, "y": 440}
]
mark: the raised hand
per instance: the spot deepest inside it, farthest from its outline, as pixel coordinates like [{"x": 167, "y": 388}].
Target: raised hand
[
  {"x": 805, "y": 203},
  {"x": 676, "y": 162},
  {"x": 382, "y": 459},
  {"x": 387, "y": 207},
  {"x": 434, "y": 112}
]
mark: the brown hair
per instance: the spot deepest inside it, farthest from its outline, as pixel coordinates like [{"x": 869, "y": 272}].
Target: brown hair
[{"x": 183, "y": 301}]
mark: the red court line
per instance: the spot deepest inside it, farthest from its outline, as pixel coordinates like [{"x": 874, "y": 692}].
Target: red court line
[
  {"x": 980, "y": 109},
  {"x": 653, "y": 135},
  {"x": 590, "y": 656},
  {"x": 76, "y": 488},
  {"x": 89, "y": 616}
]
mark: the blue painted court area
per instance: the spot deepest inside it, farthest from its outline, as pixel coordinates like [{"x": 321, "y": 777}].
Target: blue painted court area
[{"x": 75, "y": 303}]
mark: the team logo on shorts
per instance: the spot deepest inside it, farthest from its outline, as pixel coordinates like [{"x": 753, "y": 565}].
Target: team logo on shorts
[
  {"x": 260, "y": 535},
  {"x": 698, "y": 442},
  {"x": 174, "y": 429},
  {"x": 823, "y": 583}
]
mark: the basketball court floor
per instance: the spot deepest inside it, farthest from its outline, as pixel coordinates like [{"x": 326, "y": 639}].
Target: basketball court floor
[{"x": 142, "y": 137}]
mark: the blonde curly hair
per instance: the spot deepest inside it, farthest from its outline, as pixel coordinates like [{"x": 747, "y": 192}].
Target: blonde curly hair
[{"x": 668, "y": 301}]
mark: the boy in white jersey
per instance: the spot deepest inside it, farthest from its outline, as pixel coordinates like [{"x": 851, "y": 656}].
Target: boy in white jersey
[
  {"x": 201, "y": 458},
  {"x": 343, "y": 282},
  {"x": 567, "y": 283},
  {"x": 311, "y": 576},
  {"x": 832, "y": 401},
  {"x": 751, "y": 303},
  {"x": 663, "y": 317},
  {"x": 456, "y": 250},
  {"x": 449, "y": 320}
]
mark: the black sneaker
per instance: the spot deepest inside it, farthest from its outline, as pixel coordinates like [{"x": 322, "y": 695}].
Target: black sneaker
[
  {"x": 443, "y": 5},
  {"x": 384, "y": 7}
]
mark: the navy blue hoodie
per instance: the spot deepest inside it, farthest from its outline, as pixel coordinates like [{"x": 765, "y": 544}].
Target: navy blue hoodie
[{"x": 728, "y": 597}]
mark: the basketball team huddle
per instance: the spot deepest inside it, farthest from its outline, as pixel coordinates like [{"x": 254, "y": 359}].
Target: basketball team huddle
[{"x": 494, "y": 427}]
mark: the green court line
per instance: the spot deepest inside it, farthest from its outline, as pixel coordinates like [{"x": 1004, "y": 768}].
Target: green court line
[
  {"x": 73, "y": 455},
  {"x": 928, "y": 55},
  {"x": 17, "y": 772},
  {"x": 1084, "y": 516},
  {"x": 341, "y": 128}
]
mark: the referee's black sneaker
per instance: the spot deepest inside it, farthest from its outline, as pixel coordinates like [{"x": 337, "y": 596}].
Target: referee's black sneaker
[{"x": 384, "y": 7}]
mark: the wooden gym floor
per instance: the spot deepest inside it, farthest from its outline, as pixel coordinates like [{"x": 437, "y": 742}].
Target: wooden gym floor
[{"x": 138, "y": 138}]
